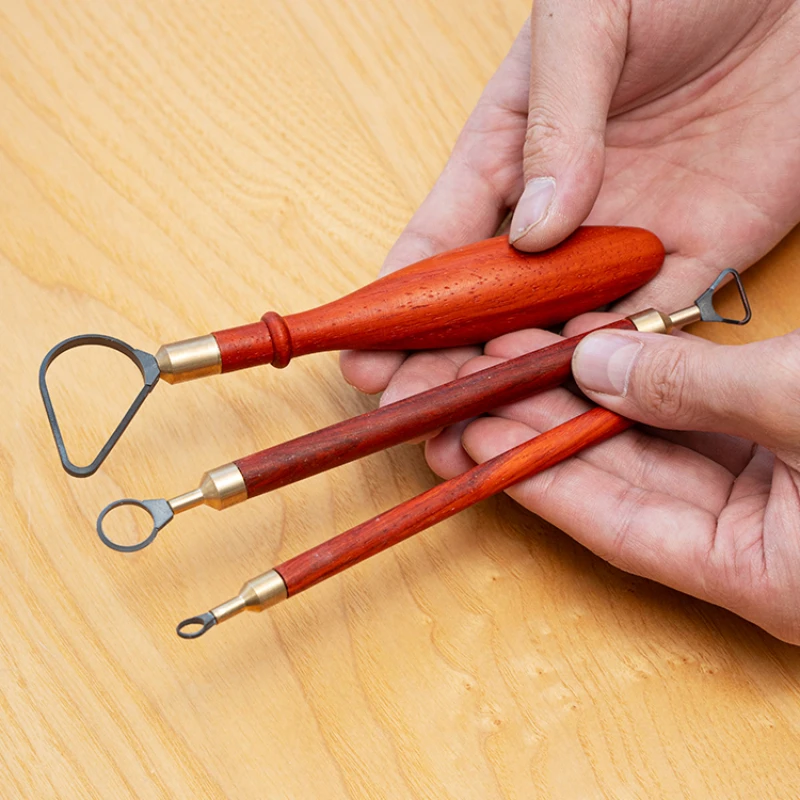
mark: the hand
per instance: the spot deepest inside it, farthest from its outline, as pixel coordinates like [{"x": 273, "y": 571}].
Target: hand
[
  {"x": 716, "y": 515},
  {"x": 678, "y": 117}
]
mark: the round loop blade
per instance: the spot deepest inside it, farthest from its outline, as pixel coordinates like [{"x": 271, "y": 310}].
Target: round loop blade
[
  {"x": 150, "y": 373},
  {"x": 160, "y": 512}
]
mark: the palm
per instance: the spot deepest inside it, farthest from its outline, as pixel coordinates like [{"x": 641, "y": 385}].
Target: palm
[
  {"x": 700, "y": 143},
  {"x": 704, "y": 513},
  {"x": 710, "y": 173},
  {"x": 700, "y": 148}
]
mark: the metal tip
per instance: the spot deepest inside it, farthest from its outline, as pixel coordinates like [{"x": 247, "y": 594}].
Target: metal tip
[
  {"x": 205, "y": 621},
  {"x": 160, "y": 512},
  {"x": 705, "y": 303},
  {"x": 150, "y": 373}
]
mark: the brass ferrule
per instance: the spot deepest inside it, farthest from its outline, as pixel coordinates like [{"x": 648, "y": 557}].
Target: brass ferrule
[
  {"x": 219, "y": 488},
  {"x": 257, "y": 594},
  {"x": 189, "y": 359},
  {"x": 652, "y": 321}
]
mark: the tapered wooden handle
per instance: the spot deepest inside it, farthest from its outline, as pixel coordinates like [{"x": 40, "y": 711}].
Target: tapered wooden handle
[
  {"x": 465, "y": 296},
  {"x": 448, "y": 498},
  {"x": 407, "y": 419}
]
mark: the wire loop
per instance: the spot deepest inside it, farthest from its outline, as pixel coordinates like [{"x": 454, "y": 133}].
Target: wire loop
[{"x": 148, "y": 366}]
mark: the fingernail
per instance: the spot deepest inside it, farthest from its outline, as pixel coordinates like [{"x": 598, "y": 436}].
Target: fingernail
[
  {"x": 603, "y": 363},
  {"x": 532, "y": 207}
]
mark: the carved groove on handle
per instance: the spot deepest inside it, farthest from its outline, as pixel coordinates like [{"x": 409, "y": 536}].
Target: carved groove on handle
[
  {"x": 281, "y": 339},
  {"x": 465, "y": 296}
]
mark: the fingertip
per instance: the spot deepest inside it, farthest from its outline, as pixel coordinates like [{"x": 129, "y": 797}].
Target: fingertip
[
  {"x": 589, "y": 322},
  {"x": 603, "y": 362},
  {"x": 426, "y": 370},
  {"x": 446, "y": 455},
  {"x": 519, "y": 343},
  {"x": 478, "y": 364},
  {"x": 370, "y": 371},
  {"x": 531, "y": 216},
  {"x": 488, "y": 437}
]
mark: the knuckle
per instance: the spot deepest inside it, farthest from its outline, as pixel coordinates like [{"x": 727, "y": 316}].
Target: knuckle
[
  {"x": 787, "y": 363},
  {"x": 553, "y": 133},
  {"x": 542, "y": 135},
  {"x": 665, "y": 386},
  {"x": 778, "y": 407}
]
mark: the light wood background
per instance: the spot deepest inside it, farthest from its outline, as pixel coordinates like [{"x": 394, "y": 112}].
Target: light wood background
[{"x": 172, "y": 168}]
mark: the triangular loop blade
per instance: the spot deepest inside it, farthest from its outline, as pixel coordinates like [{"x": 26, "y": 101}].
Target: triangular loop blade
[
  {"x": 709, "y": 313},
  {"x": 150, "y": 373}
]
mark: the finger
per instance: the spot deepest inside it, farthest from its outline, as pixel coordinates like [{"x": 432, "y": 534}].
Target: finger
[
  {"x": 426, "y": 370},
  {"x": 648, "y": 533},
  {"x": 519, "y": 343},
  {"x": 578, "y": 51},
  {"x": 446, "y": 455},
  {"x": 589, "y": 322},
  {"x": 731, "y": 452},
  {"x": 645, "y": 461},
  {"x": 686, "y": 383},
  {"x": 678, "y": 283},
  {"x": 370, "y": 371},
  {"x": 482, "y": 178},
  {"x": 444, "y": 452}
]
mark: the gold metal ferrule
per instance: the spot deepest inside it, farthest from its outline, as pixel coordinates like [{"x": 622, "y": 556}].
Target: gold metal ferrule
[
  {"x": 257, "y": 594},
  {"x": 652, "y": 321},
  {"x": 189, "y": 359},
  {"x": 219, "y": 488}
]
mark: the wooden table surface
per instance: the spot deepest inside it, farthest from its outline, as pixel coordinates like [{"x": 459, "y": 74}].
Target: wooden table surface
[{"x": 171, "y": 168}]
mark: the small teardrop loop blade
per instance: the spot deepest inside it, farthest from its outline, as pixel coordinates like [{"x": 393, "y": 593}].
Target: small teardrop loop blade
[
  {"x": 148, "y": 366},
  {"x": 194, "y": 627}
]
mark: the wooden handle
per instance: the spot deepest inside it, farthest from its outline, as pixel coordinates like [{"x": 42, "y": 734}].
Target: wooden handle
[
  {"x": 466, "y": 296},
  {"x": 448, "y": 498},
  {"x": 407, "y": 419}
]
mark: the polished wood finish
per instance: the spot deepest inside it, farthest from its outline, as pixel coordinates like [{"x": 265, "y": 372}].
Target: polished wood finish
[
  {"x": 464, "y": 296},
  {"x": 166, "y": 169},
  {"x": 448, "y": 498},
  {"x": 413, "y": 417}
]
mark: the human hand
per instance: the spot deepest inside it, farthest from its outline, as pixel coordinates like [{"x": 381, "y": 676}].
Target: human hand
[
  {"x": 715, "y": 515},
  {"x": 677, "y": 117}
]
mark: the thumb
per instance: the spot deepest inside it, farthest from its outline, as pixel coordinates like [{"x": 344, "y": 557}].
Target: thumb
[
  {"x": 578, "y": 49},
  {"x": 686, "y": 383}
]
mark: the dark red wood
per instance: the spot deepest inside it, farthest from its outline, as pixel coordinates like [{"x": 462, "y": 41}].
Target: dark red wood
[
  {"x": 407, "y": 419},
  {"x": 448, "y": 498},
  {"x": 465, "y": 296}
]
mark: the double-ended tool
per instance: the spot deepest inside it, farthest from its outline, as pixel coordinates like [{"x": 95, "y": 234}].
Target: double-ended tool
[
  {"x": 482, "y": 481},
  {"x": 399, "y": 422},
  {"x": 466, "y": 296}
]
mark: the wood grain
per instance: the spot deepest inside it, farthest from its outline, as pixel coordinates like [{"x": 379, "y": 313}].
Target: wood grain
[
  {"x": 448, "y": 498},
  {"x": 412, "y": 418},
  {"x": 172, "y": 168},
  {"x": 464, "y": 296}
]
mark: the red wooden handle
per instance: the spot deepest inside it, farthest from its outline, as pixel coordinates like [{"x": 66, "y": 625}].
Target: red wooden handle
[
  {"x": 407, "y": 419},
  {"x": 465, "y": 296},
  {"x": 448, "y": 498}
]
